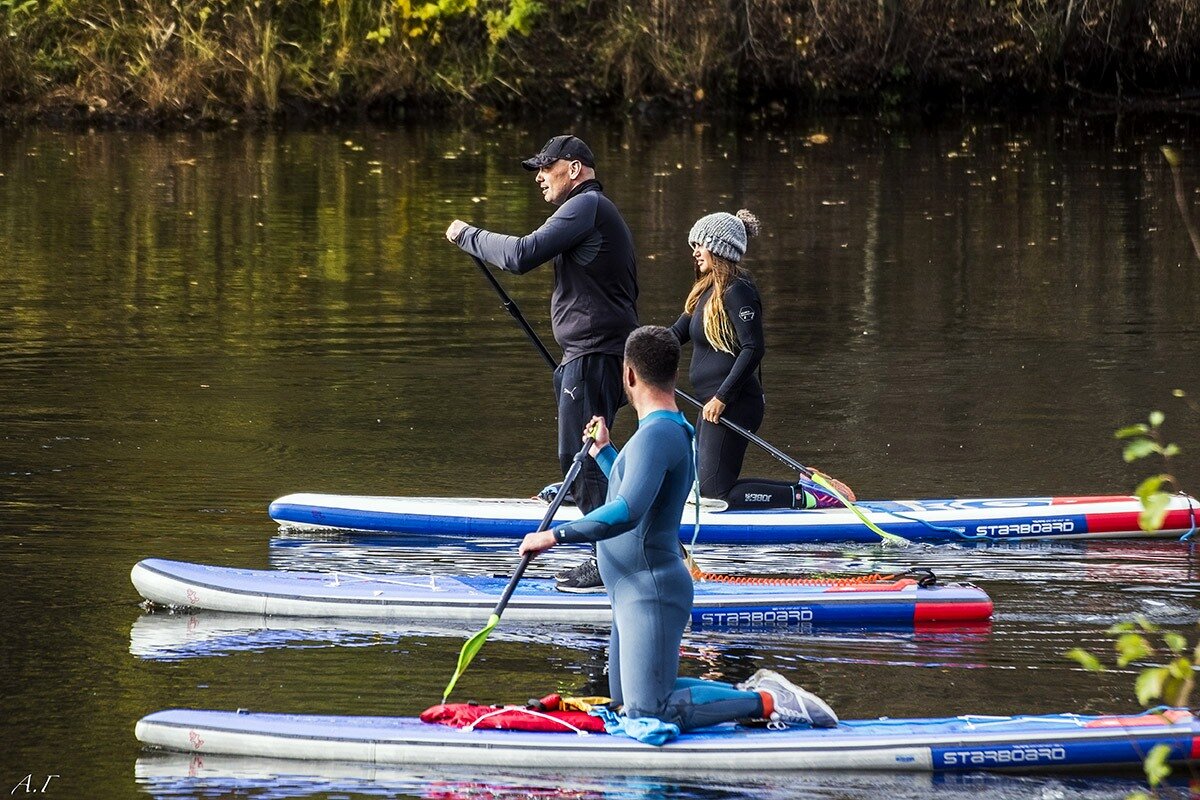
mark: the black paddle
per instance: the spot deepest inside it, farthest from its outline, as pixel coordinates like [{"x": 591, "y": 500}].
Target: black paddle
[
  {"x": 511, "y": 308},
  {"x": 472, "y": 646}
]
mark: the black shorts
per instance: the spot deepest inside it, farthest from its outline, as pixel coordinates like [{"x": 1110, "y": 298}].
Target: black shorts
[{"x": 586, "y": 387}]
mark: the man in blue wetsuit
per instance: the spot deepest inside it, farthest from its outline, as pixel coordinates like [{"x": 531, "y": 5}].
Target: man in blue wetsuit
[
  {"x": 592, "y": 309},
  {"x": 636, "y": 533}
]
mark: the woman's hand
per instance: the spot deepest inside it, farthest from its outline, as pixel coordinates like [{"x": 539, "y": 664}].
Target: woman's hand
[
  {"x": 537, "y": 542},
  {"x": 598, "y": 430},
  {"x": 713, "y": 410}
]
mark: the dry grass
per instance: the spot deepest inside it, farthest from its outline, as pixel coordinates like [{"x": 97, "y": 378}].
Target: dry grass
[{"x": 177, "y": 59}]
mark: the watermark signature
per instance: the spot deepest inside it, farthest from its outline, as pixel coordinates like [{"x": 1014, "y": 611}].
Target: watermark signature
[{"x": 33, "y": 784}]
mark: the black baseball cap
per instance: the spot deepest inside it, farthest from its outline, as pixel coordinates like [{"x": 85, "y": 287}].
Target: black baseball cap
[{"x": 565, "y": 147}]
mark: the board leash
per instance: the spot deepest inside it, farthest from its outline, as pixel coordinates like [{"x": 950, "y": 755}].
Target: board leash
[{"x": 1192, "y": 516}]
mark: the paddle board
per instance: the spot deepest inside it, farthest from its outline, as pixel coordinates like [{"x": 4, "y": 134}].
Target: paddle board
[
  {"x": 956, "y": 520},
  {"x": 471, "y": 599},
  {"x": 968, "y": 742}
]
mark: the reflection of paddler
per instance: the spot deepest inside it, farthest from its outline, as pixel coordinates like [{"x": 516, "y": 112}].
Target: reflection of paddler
[{"x": 636, "y": 534}]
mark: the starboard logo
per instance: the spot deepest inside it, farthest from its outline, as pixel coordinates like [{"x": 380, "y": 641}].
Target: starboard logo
[
  {"x": 1037, "y": 527},
  {"x": 1003, "y": 756},
  {"x": 746, "y": 313},
  {"x": 767, "y": 617}
]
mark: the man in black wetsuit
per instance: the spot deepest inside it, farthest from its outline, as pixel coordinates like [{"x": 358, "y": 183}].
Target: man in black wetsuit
[{"x": 593, "y": 306}]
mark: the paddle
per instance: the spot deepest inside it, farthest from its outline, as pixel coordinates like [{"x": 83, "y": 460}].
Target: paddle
[
  {"x": 511, "y": 308},
  {"x": 473, "y": 645}
]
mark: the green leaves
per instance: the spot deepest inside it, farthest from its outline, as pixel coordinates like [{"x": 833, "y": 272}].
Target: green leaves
[
  {"x": 1170, "y": 683},
  {"x": 1140, "y": 429},
  {"x": 1154, "y": 512},
  {"x": 1174, "y": 642},
  {"x": 1140, "y": 448},
  {"x": 1156, "y": 766},
  {"x": 1131, "y": 647},
  {"x": 1144, "y": 440},
  {"x": 1085, "y": 659},
  {"x": 1149, "y": 685}
]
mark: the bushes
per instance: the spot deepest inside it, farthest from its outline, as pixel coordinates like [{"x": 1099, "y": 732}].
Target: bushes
[{"x": 176, "y": 59}]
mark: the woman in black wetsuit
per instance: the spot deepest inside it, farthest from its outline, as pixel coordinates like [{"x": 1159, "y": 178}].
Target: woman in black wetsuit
[{"x": 727, "y": 340}]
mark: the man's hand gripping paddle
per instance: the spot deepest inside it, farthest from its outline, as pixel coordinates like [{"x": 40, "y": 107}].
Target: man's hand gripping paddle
[{"x": 473, "y": 645}]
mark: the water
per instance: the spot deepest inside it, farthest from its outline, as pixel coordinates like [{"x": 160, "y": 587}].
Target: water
[{"x": 194, "y": 324}]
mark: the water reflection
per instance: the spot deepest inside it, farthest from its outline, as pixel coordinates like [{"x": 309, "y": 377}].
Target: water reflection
[
  {"x": 194, "y": 324},
  {"x": 169, "y": 636},
  {"x": 166, "y": 775}
]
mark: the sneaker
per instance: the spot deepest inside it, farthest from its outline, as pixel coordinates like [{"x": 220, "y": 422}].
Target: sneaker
[
  {"x": 706, "y": 503},
  {"x": 582, "y": 579},
  {"x": 751, "y": 683},
  {"x": 551, "y": 491},
  {"x": 566, "y": 572},
  {"x": 793, "y": 705}
]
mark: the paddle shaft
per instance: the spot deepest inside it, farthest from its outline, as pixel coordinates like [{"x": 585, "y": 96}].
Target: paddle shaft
[
  {"x": 576, "y": 465},
  {"x": 511, "y": 308}
]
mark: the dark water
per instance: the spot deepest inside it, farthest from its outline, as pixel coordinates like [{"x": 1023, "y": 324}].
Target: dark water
[{"x": 192, "y": 325}]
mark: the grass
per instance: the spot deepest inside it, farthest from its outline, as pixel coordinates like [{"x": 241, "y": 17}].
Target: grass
[{"x": 179, "y": 60}]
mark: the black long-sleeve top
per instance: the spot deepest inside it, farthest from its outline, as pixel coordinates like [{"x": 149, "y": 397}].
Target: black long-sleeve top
[
  {"x": 715, "y": 373},
  {"x": 593, "y": 307}
]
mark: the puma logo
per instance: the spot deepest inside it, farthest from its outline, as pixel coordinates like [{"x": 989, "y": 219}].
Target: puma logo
[{"x": 570, "y": 392}]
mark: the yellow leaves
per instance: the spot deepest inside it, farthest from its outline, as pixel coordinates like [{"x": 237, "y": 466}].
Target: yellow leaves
[
  {"x": 1156, "y": 766},
  {"x": 380, "y": 34}
]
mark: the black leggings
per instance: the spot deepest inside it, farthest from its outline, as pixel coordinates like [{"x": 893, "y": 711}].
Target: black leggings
[{"x": 720, "y": 453}]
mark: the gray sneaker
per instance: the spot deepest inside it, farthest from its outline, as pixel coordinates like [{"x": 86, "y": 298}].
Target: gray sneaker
[
  {"x": 793, "y": 704},
  {"x": 583, "y": 579},
  {"x": 751, "y": 683}
]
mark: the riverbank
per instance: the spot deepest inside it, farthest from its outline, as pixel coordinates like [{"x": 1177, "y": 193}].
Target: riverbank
[{"x": 213, "y": 61}]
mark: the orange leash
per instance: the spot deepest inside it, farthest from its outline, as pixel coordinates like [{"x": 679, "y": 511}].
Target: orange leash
[{"x": 856, "y": 580}]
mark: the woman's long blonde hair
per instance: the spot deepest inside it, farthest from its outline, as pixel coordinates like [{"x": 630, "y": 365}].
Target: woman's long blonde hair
[{"x": 717, "y": 327}]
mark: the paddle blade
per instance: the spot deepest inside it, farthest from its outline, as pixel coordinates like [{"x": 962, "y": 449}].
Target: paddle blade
[
  {"x": 890, "y": 538},
  {"x": 470, "y": 649}
]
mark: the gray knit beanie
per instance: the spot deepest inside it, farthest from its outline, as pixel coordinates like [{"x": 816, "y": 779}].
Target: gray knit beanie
[{"x": 725, "y": 234}]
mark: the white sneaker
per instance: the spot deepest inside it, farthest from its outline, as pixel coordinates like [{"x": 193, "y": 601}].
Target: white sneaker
[
  {"x": 793, "y": 704},
  {"x": 707, "y": 503},
  {"x": 751, "y": 683}
]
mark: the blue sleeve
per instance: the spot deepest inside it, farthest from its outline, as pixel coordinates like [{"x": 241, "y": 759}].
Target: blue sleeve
[
  {"x": 645, "y": 468},
  {"x": 570, "y": 224},
  {"x": 744, "y": 308},
  {"x": 605, "y": 459}
]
